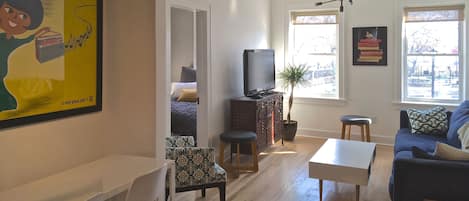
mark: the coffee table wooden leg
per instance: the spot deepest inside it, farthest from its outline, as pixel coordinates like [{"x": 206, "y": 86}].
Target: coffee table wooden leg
[
  {"x": 358, "y": 192},
  {"x": 320, "y": 190}
]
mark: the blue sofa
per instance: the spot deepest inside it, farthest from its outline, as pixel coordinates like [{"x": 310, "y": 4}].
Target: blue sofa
[{"x": 415, "y": 179}]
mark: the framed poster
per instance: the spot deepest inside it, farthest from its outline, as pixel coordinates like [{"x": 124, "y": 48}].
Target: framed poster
[
  {"x": 50, "y": 59},
  {"x": 370, "y": 46}
]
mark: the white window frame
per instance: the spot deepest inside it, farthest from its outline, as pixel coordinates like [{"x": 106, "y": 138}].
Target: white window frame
[
  {"x": 400, "y": 92},
  {"x": 340, "y": 52}
]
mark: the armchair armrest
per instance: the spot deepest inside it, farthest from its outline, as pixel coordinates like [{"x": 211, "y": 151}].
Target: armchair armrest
[
  {"x": 194, "y": 165},
  {"x": 416, "y": 179},
  {"x": 180, "y": 141}
]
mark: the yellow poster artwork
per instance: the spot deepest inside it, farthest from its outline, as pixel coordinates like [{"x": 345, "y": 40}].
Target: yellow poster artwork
[{"x": 48, "y": 59}]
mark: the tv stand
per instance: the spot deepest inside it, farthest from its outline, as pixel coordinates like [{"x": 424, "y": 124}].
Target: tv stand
[
  {"x": 257, "y": 96},
  {"x": 263, "y": 116},
  {"x": 261, "y": 94}
]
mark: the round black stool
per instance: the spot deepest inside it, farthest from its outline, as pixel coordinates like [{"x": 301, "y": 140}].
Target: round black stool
[
  {"x": 349, "y": 120},
  {"x": 238, "y": 137}
]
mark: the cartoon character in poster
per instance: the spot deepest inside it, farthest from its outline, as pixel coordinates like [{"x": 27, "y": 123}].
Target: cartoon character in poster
[{"x": 16, "y": 17}]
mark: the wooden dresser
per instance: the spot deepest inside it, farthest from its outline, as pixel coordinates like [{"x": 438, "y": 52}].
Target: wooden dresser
[{"x": 263, "y": 116}]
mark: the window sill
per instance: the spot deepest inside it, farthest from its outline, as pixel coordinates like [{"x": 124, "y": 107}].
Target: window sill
[
  {"x": 318, "y": 101},
  {"x": 411, "y": 103}
]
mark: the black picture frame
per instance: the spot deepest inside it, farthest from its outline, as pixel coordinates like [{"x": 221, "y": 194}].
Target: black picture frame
[
  {"x": 20, "y": 121},
  {"x": 370, "y": 46}
]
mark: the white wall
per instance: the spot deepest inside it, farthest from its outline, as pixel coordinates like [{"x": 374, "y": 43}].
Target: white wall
[
  {"x": 182, "y": 41},
  {"x": 369, "y": 90},
  {"x": 236, "y": 25},
  {"x": 127, "y": 122},
  {"x": 130, "y": 78}
]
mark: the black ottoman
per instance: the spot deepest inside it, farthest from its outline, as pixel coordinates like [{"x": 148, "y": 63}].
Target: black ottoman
[
  {"x": 362, "y": 121},
  {"x": 238, "y": 137}
]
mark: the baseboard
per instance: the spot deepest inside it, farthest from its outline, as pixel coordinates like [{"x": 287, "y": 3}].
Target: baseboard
[{"x": 386, "y": 140}]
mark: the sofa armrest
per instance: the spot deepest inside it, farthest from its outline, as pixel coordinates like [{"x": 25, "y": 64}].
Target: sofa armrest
[{"x": 416, "y": 179}]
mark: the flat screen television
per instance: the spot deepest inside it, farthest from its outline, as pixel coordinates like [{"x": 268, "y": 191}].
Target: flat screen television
[{"x": 259, "y": 72}]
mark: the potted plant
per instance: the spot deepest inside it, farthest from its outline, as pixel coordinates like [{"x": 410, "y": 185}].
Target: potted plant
[{"x": 291, "y": 77}]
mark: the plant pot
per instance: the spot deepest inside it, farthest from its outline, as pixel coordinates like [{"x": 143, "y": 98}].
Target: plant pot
[{"x": 289, "y": 130}]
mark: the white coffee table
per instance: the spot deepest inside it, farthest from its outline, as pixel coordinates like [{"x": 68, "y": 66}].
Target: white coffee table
[{"x": 343, "y": 161}]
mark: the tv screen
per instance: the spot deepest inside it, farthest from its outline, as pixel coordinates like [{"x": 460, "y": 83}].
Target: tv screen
[{"x": 259, "y": 71}]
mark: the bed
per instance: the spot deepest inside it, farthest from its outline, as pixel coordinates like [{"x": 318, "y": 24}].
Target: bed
[
  {"x": 183, "y": 104},
  {"x": 184, "y": 118}
]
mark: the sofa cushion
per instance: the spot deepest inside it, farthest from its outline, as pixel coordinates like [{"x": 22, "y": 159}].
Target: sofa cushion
[
  {"x": 459, "y": 117},
  {"x": 405, "y": 141},
  {"x": 433, "y": 121}
]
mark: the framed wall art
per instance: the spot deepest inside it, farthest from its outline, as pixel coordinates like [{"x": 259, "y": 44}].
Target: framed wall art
[
  {"x": 370, "y": 46},
  {"x": 50, "y": 59}
]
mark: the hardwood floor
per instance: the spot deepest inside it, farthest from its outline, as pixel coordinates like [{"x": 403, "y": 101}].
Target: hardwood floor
[{"x": 283, "y": 176}]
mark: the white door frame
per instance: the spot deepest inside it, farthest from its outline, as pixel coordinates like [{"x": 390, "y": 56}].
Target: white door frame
[
  {"x": 203, "y": 75},
  {"x": 162, "y": 97}
]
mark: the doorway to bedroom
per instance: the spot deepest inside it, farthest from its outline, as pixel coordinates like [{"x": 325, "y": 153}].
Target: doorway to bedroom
[{"x": 188, "y": 71}]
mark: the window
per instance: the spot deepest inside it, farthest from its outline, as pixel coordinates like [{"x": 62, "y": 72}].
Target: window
[
  {"x": 433, "y": 54},
  {"x": 313, "y": 40}
]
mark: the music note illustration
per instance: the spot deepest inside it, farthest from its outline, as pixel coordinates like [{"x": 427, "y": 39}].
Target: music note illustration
[{"x": 77, "y": 41}]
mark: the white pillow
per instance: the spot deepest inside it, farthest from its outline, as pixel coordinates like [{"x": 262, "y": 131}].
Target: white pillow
[
  {"x": 447, "y": 152},
  {"x": 176, "y": 88},
  {"x": 464, "y": 136}
]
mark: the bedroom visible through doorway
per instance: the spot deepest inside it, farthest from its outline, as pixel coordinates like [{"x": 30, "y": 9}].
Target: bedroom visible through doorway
[{"x": 188, "y": 66}]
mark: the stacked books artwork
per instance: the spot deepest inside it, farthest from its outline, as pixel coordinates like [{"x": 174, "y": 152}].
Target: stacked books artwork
[{"x": 370, "y": 49}]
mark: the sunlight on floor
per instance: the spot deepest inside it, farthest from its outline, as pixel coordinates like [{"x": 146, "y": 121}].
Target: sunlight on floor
[{"x": 277, "y": 153}]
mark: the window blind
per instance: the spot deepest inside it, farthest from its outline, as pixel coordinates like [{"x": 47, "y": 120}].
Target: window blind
[
  {"x": 314, "y": 17},
  {"x": 439, "y": 13}
]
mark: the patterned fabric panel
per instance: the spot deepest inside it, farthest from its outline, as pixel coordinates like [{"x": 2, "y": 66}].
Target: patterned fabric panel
[
  {"x": 433, "y": 121},
  {"x": 180, "y": 141},
  {"x": 195, "y": 166},
  {"x": 219, "y": 175}
]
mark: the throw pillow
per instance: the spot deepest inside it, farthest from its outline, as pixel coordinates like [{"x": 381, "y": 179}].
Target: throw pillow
[
  {"x": 419, "y": 153},
  {"x": 448, "y": 152},
  {"x": 188, "y": 74},
  {"x": 463, "y": 133},
  {"x": 177, "y": 87},
  {"x": 459, "y": 117},
  {"x": 433, "y": 121},
  {"x": 188, "y": 95}
]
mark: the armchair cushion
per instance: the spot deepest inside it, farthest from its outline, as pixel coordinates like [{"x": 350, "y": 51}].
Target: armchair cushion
[{"x": 194, "y": 165}]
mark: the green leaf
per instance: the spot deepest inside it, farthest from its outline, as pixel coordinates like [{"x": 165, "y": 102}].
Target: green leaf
[{"x": 292, "y": 76}]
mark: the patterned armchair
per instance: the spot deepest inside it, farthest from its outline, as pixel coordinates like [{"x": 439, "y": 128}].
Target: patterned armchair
[{"x": 195, "y": 166}]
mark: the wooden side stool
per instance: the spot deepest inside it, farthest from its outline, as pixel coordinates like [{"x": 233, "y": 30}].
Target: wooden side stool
[
  {"x": 238, "y": 137},
  {"x": 363, "y": 122}
]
